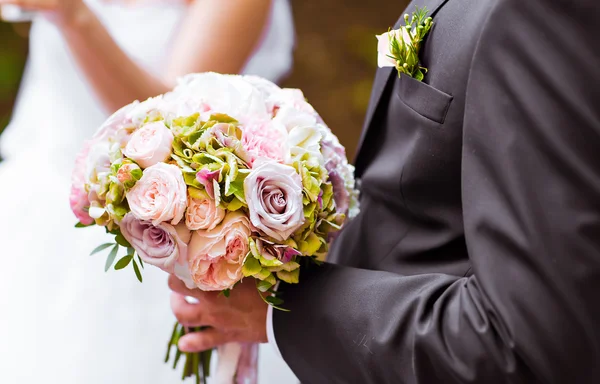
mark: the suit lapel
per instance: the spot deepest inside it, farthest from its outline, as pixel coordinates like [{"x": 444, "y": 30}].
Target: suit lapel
[{"x": 384, "y": 75}]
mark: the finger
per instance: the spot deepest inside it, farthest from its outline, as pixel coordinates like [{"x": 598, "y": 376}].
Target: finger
[
  {"x": 42, "y": 5},
  {"x": 179, "y": 286},
  {"x": 190, "y": 315},
  {"x": 203, "y": 340}
]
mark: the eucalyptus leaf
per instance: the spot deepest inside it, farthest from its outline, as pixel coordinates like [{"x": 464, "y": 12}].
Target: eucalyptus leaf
[
  {"x": 101, "y": 248},
  {"x": 111, "y": 257}
]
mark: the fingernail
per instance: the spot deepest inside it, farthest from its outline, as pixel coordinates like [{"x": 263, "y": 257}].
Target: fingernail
[{"x": 183, "y": 346}]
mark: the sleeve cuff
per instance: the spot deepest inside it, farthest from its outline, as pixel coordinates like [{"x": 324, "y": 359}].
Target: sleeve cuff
[{"x": 271, "y": 331}]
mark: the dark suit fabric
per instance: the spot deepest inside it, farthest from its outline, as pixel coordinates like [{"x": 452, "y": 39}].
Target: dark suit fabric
[{"x": 476, "y": 255}]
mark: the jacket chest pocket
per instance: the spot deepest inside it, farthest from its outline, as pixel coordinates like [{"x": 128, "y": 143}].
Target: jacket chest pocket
[
  {"x": 418, "y": 148},
  {"x": 423, "y": 99}
]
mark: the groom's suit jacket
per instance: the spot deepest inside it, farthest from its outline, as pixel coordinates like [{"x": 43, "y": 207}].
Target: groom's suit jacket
[{"x": 476, "y": 255}]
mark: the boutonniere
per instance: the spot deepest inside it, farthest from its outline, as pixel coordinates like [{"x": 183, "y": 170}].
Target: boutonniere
[{"x": 400, "y": 47}]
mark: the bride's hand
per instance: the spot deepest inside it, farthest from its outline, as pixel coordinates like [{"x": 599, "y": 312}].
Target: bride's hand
[
  {"x": 62, "y": 12},
  {"x": 241, "y": 317}
]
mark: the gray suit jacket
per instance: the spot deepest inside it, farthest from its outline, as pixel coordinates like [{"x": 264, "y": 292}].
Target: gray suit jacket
[{"x": 476, "y": 256}]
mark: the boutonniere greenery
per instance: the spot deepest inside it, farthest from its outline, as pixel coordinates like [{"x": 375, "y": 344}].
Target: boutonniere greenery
[{"x": 400, "y": 47}]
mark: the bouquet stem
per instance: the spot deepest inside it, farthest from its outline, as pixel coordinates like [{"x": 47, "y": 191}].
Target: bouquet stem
[
  {"x": 196, "y": 364},
  {"x": 237, "y": 363}
]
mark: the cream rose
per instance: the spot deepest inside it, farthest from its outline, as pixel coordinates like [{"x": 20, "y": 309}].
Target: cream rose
[
  {"x": 384, "y": 53},
  {"x": 149, "y": 145},
  {"x": 203, "y": 213},
  {"x": 160, "y": 195},
  {"x": 216, "y": 257}
]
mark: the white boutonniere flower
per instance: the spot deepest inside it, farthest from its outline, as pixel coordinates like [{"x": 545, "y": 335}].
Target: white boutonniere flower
[{"x": 400, "y": 47}]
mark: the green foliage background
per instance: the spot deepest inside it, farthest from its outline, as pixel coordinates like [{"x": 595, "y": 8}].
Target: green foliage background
[
  {"x": 13, "y": 52},
  {"x": 335, "y": 59}
]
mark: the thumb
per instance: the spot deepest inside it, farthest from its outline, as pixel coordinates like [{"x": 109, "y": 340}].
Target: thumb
[{"x": 203, "y": 340}]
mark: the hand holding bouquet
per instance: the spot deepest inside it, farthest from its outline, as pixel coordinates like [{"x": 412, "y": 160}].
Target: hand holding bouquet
[{"x": 225, "y": 178}]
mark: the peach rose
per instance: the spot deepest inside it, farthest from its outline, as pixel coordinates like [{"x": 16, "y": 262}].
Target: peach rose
[
  {"x": 160, "y": 195},
  {"x": 149, "y": 145},
  {"x": 203, "y": 213},
  {"x": 216, "y": 256}
]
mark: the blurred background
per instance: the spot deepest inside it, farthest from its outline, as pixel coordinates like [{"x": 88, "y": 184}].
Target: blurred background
[{"x": 335, "y": 59}]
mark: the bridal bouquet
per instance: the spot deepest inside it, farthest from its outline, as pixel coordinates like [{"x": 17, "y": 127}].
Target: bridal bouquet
[{"x": 224, "y": 178}]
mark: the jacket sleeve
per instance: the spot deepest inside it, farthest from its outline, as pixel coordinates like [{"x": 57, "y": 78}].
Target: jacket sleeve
[{"x": 531, "y": 206}]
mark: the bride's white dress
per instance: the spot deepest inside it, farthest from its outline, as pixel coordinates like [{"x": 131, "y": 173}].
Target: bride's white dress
[{"x": 62, "y": 319}]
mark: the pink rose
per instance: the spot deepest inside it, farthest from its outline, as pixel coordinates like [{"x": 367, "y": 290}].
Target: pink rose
[
  {"x": 78, "y": 199},
  {"x": 203, "y": 214},
  {"x": 274, "y": 196},
  {"x": 265, "y": 140},
  {"x": 216, "y": 257},
  {"x": 164, "y": 245},
  {"x": 150, "y": 144},
  {"x": 118, "y": 126},
  {"x": 160, "y": 195}
]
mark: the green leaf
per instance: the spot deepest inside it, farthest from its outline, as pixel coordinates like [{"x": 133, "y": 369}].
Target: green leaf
[
  {"x": 121, "y": 240},
  {"x": 124, "y": 262},
  {"x": 80, "y": 225},
  {"x": 266, "y": 300},
  {"x": 101, "y": 248},
  {"x": 227, "y": 292},
  {"x": 111, "y": 257},
  {"x": 251, "y": 266},
  {"x": 263, "y": 286},
  {"x": 274, "y": 300},
  {"x": 138, "y": 274},
  {"x": 141, "y": 261},
  {"x": 419, "y": 76}
]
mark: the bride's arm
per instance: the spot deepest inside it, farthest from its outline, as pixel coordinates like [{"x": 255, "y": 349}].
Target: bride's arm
[{"x": 215, "y": 35}]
